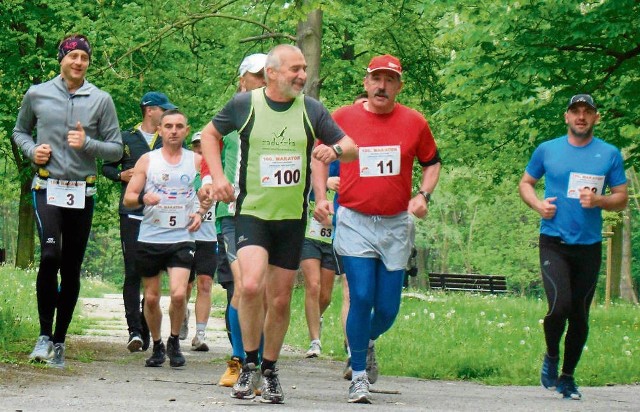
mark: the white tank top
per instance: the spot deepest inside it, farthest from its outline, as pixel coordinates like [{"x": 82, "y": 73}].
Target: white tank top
[
  {"x": 207, "y": 231},
  {"x": 167, "y": 221}
]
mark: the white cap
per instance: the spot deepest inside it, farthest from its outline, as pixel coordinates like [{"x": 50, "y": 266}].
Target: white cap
[
  {"x": 252, "y": 63},
  {"x": 196, "y": 137}
]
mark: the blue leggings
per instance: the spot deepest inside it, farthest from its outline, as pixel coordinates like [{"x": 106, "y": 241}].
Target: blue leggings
[{"x": 374, "y": 294}]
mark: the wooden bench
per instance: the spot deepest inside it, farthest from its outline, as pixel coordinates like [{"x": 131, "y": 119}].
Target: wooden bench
[{"x": 468, "y": 282}]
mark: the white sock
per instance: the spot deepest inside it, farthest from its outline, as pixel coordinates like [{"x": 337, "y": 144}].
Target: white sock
[{"x": 356, "y": 374}]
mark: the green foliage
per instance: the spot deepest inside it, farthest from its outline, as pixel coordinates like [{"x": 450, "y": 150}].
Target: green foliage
[{"x": 497, "y": 340}]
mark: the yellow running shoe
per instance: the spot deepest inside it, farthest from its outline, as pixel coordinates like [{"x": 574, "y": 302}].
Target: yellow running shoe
[{"x": 230, "y": 376}]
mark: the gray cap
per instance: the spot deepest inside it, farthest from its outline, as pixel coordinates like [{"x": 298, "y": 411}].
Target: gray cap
[{"x": 582, "y": 98}]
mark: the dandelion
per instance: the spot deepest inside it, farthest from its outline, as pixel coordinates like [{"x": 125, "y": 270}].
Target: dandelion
[
  {"x": 406, "y": 317},
  {"x": 482, "y": 313},
  {"x": 626, "y": 338},
  {"x": 527, "y": 329},
  {"x": 522, "y": 342},
  {"x": 413, "y": 314},
  {"x": 627, "y": 352},
  {"x": 425, "y": 311},
  {"x": 500, "y": 325},
  {"x": 541, "y": 321},
  {"x": 432, "y": 315},
  {"x": 586, "y": 348}
]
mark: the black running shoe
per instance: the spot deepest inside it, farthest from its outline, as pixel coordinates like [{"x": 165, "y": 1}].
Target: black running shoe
[
  {"x": 176, "y": 358},
  {"x": 158, "y": 356}
]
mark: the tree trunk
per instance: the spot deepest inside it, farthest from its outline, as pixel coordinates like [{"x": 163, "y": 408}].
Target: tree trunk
[
  {"x": 309, "y": 35},
  {"x": 616, "y": 260},
  {"x": 26, "y": 227},
  {"x": 627, "y": 289}
]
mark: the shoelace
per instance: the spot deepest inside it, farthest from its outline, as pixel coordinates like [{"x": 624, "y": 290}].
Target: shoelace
[
  {"x": 271, "y": 382},
  {"x": 361, "y": 384},
  {"x": 244, "y": 378}
]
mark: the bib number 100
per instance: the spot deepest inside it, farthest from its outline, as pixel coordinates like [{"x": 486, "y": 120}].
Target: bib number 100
[{"x": 287, "y": 176}]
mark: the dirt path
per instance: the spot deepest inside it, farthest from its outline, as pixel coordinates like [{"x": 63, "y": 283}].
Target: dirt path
[{"x": 118, "y": 381}]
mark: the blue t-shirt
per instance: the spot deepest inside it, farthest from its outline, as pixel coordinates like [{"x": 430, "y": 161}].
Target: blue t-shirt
[{"x": 567, "y": 169}]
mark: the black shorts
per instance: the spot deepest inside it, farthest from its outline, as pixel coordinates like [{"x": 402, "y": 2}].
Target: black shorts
[
  {"x": 151, "y": 258},
  {"x": 281, "y": 238},
  {"x": 225, "y": 276},
  {"x": 205, "y": 259},
  {"x": 316, "y": 249}
]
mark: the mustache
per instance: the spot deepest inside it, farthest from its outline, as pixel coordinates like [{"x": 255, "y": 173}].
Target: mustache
[{"x": 381, "y": 93}]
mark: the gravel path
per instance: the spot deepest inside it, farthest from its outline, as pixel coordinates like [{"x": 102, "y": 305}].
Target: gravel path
[{"x": 118, "y": 381}]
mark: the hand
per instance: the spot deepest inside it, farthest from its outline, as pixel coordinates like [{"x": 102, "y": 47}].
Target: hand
[
  {"x": 125, "y": 175},
  {"x": 196, "y": 222},
  {"x": 221, "y": 190},
  {"x": 547, "y": 209},
  {"x": 324, "y": 154},
  {"x": 151, "y": 199},
  {"x": 333, "y": 183},
  {"x": 204, "y": 199},
  {"x": 42, "y": 154},
  {"x": 418, "y": 206},
  {"x": 76, "y": 137},
  {"x": 588, "y": 199},
  {"x": 322, "y": 211}
]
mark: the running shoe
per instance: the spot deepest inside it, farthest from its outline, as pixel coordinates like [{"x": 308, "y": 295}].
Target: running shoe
[
  {"x": 43, "y": 350},
  {"x": 549, "y": 372},
  {"x": 245, "y": 387},
  {"x": 372, "y": 364},
  {"x": 198, "y": 342},
  {"x": 230, "y": 376},
  {"x": 184, "y": 328},
  {"x": 347, "y": 372},
  {"x": 359, "y": 390},
  {"x": 271, "y": 389},
  {"x": 158, "y": 356},
  {"x": 135, "y": 342},
  {"x": 58, "y": 356},
  {"x": 567, "y": 387},
  {"x": 314, "y": 349},
  {"x": 176, "y": 358}
]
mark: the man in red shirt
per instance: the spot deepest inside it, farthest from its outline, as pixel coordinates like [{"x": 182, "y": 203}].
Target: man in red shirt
[{"x": 375, "y": 229}]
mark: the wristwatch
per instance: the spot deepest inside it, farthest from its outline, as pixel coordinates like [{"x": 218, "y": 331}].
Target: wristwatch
[
  {"x": 203, "y": 216},
  {"x": 427, "y": 195},
  {"x": 336, "y": 148}
]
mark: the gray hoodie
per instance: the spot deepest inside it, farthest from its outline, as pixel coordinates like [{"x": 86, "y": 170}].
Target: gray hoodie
[{"x": 49, "y": 108}]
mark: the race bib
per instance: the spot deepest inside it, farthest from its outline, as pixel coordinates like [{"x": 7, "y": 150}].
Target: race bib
[
  {"x": 280, "y": 170},
  {"x": 170, "y": 216},
  {"x": 66, "y": 193},
  {"x": 379, "y": 161},
  {"x": 579, "y": 181},
  {"x": 317, "y": 231}
]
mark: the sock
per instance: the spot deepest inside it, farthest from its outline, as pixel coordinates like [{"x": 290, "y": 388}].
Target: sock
[
  {"x": 157, "y": 342},
  {"x": 236, "y": 334},
  {"x": 356, "y": 374},
  {"x": 252, "y": 357},
  {"x": 174, "y": 337},
  {"x": 201, "y": 326},
  {"x": 268, "y": 364}
]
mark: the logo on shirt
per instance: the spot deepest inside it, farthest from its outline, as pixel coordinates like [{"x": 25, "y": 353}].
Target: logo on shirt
[
  {"x": 279, "y": 140},
  {"x": 51, "y": 241},
  {"x": 242, "y": 239}
]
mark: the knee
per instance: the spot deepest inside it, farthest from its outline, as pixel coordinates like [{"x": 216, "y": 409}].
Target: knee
[
  {"x": 251, "y": 290},
  {"x": 204, "y": 284},
  {"x": 281, "y": 302},
  {"x": 151, "y": 298}
]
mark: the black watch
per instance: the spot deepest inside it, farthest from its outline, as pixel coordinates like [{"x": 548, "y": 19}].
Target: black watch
[
  {"x": 427, "y": 195},
  {"x": 336, "y": 148}
]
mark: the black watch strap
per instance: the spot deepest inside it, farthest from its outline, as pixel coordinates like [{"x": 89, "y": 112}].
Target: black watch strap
[{"x": 426, "y": 195}]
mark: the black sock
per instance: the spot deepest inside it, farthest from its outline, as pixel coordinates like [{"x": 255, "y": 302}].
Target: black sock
[
  {"x": 252, "y": 357},
  {"x": 157, "y": 342},
  {"x": 268, "y": 364}
]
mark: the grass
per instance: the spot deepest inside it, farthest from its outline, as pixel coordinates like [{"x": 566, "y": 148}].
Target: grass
[
  {"x": 496, "y": 340},
  {"x": 19, "y": 325}
]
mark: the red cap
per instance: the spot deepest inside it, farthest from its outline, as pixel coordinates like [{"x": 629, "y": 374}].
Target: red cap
[{"x": 385, "y": 62}]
